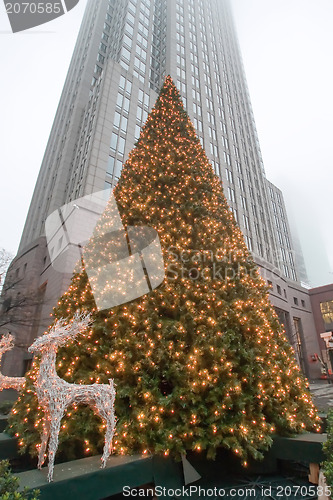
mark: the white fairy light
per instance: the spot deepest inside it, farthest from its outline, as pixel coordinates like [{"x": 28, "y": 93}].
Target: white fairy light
[
  {"x": 55, "y": 395},
  {"x": 6, "y": 344}
]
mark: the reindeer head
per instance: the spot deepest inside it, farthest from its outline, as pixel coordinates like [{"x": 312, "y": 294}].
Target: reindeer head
[
  {"x": 6, "y": 343},
  {"x": 61, "y": 332}
]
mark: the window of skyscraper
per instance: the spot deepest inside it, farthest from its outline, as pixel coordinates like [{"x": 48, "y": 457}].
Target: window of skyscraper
[
  {"x": 116, "y": 120},
  {"x": 120, "y": 99},
  {"x": 229, "y": 176},
  {"x": 137, "y": 132},
  {"x": 113, "y": 143},
  {"x": 246, "y": 221},
  {"x": 141, "y": 52},
  {"x": 127, "y": 40},
  {"x": 288, "y": 245},
  {"x": 142, "y": 40},
  {"x": 249, "y": 244},
  {"x": 239, "y": 167},
  {"x": 284, "y": 255},
  {"x": 291, "y": 259},
  {"x": 286, "y": 271},
  {"x": 122, "y": 82},
  {"x": 280, "y": 238},
  {"x": 124, "y": 124},
  {"x": 121, "y": 145},
  {"x": 118, "y": 169},
  {"x": 128, "y": 87},
  {"x": 125, "y": 53},
  {"x": 142, "y": 29},
  {"x": 140, "y": 65},
  {"x": 241, "y": 184},
  {"x": 232, "y": 195},
  {"x": 102, "y": 47},
  {"x": 129, "y": 29},
  {"x": 130, "y": 17},
  {"x": 126, "y": 104},
  {"x": 132, "y": 7},
  {"x": 110, "y": 166},
  {"x": 180, "y": 49}
]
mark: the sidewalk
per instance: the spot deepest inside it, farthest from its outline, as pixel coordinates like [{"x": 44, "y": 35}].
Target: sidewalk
[{"x": 322, "y": 393}]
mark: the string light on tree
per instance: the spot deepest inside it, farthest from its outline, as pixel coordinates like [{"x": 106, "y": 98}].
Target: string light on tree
[{"x": 201, "y": 362}]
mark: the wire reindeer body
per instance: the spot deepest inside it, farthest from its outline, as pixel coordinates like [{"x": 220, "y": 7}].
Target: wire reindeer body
[{"x": 55, "y": 395}]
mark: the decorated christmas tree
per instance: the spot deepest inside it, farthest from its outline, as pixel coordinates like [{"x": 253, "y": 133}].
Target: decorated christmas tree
[{"x": 201, "y": 361}]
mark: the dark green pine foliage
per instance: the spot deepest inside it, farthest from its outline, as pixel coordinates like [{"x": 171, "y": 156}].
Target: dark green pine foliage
[{"x": 201, "y": 362}]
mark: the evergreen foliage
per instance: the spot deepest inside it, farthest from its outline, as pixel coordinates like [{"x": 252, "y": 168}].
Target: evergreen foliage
[
  {"x": 328, "y": 450},
  {"x": 9, "y": 485},
  {"x": 201, "y": 362}
]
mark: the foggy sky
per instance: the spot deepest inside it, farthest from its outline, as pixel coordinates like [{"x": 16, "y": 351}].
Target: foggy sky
[{"x": 287, "y": 53}]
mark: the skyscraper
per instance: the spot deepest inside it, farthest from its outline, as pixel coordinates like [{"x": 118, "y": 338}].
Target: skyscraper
[{"x": 123, "y": 52}]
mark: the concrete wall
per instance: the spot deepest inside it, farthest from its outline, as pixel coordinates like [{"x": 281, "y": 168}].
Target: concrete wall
[{"x": 292, "y": 303}]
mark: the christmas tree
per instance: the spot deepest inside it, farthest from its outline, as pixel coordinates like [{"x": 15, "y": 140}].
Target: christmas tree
[{"x": 199, "y": 363}]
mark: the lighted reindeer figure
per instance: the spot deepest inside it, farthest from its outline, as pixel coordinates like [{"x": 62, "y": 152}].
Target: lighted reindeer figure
[
  {"x": 6, "y": 344},
  {"x": 55, "y": 395}
]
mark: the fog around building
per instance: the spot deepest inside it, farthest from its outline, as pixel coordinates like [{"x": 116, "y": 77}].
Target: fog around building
[{"x": 286, "y": 47}]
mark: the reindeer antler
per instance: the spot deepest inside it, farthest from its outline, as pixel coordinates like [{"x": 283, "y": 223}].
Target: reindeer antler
[
  {"x": 6, "y": 343},
  {"x": 62, "y": 331}
]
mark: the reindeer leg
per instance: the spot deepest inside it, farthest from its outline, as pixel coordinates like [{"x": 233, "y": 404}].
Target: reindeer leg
[
  {"x": 53, "y": 444},
  {"x": 44, "y": 437},
  {"x": 108, "y": 440}
]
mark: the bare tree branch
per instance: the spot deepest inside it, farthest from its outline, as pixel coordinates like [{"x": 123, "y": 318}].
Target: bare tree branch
[
  {"x": 20, "y": 302},
  {"x": 5, "y": 259}
]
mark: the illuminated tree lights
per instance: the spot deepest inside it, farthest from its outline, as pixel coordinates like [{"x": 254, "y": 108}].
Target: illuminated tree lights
[{"x": 201, "y": 362}]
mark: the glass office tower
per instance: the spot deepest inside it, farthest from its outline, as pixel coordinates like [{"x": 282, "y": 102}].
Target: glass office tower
[{"x": 124, "y": 50}]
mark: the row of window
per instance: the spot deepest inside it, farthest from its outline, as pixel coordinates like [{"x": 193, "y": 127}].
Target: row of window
[
  {"x": 120, "y": 124},
  {"x": 216, "y": 61},
  {"x": 279, "y": 291},
  {"x": 114, "y": 167}
]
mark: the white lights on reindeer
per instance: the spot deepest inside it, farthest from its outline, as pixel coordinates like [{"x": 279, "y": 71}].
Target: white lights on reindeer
[
  {"x": 56, "y": 395},
  {"x": 7, "y": 343}
]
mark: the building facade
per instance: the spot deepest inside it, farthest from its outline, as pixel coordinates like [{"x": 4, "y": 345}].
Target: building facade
[
  {"x": 125, "y": 48},
  {"x": 322, "y": 307}
]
